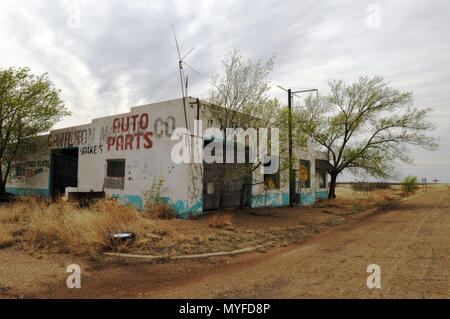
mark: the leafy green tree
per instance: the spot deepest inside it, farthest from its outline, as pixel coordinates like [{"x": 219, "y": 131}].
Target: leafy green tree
[
  {"x": 29, "y": 105},
  {"x": 365, "y": 127}
]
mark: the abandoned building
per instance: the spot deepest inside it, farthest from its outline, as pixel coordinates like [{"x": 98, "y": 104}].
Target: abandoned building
[{"x": 124, "y": 156}]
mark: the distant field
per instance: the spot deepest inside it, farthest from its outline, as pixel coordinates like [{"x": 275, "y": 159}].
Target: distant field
[{"x": 345, "y": 191}]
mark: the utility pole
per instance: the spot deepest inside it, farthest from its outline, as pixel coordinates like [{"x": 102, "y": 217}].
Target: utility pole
[{"x": 291, "y": 171}]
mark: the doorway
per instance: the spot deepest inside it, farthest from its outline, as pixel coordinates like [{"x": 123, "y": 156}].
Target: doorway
[{"x": 63, "y": 170}]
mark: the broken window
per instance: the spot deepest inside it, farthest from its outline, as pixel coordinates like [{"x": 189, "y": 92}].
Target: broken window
[
  {"x": 20, "y": 169},
  {"x": 115, "y": 168},
  {"x": 305, "y": 176}
]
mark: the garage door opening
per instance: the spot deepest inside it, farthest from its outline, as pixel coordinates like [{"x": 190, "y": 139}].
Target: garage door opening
[
  {"x": 63, "y": 170},
  {"x": 226, "y": 185}
]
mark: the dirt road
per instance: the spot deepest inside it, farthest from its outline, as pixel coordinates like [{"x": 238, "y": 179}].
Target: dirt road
[{"x": 411, "y": 245}]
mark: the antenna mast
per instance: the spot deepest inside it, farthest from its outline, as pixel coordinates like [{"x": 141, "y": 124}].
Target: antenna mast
[{"x": 183, "y": 78}]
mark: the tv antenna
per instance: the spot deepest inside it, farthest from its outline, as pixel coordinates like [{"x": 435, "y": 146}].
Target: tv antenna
[
  {"x": 184, "y": 87},
  {"x": 183, "y": 78}
]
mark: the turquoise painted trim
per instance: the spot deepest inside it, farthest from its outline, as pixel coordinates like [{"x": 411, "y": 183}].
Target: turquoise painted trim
[
  {"x": 181, "y": 207},
  {"x": 307, "y": 199},
  {"x": 285, "y": 198},
  {"x": 322, "y": 195},
  {"x": 282, "y": 199},
  {"x": 23, "y": 191},
  {"x": 269, "y": 200},
  {"x": 133, "y": 200}
]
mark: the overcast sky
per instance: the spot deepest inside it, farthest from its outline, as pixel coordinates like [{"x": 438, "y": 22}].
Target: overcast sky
[{"x": 107, "y": 56}]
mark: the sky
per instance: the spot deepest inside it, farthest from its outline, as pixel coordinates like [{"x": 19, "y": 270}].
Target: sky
[{"x": 107, "y": 56}]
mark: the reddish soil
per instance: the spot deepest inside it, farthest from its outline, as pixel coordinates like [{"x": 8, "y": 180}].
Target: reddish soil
[{"x": 410, "y": 244}]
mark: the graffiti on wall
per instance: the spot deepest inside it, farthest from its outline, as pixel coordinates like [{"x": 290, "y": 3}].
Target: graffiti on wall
[
  {"x": 34, "y": 168},
  {"x": 30, "y": 169}
]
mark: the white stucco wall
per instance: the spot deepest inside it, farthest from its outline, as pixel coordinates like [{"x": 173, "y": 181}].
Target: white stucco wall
[{"x": 145, "y": 144}]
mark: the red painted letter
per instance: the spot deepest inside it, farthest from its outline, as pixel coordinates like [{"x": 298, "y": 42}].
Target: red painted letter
[
  {"x": 111, "y": 141},
  {"x": 138, "y": 139},
  {"x": 134, "y": 117},
  {"x": 148, "y": 141},
  {"x": 129, "y": 141},
  {"x": 119, "y": 143},
  {"x": 143, "y": 123}
]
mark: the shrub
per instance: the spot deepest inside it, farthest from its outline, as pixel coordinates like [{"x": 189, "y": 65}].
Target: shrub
[{"x": 409, "y": 185}]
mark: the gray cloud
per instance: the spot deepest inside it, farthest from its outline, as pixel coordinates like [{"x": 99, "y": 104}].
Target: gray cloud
[{"x": 107, "y": 56}]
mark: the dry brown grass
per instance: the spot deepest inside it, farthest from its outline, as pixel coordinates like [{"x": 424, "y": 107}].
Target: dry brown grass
[
  {"x": 356, "y": 201},
  {"x": 12, "y": 219},
  {"x": 163, "y": 211},
  {"x": 63, "y": 227},
  {"x": 339, "y": 202},
  {"x": 379, "y": 195},
  {"x": 6, "y": 235}
]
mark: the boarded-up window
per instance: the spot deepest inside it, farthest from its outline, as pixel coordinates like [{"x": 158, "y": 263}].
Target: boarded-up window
[
  {"x": 20, "y": 169},
  {"x": 115, "y": 168}
]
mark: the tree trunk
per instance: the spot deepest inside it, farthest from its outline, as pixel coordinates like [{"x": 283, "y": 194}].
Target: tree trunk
[
  {"x": 332, "y": 191},
  {"x": 2, "y": 190},
  {"x": 2, "y": 185}
]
